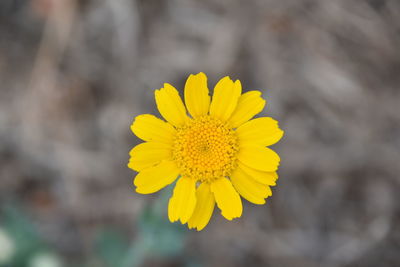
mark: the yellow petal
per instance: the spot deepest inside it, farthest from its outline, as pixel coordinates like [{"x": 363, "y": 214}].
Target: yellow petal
[
  {"x": 148, "y": 154},
  {"x": 225, "y": 98},
  {"x": 268, "y": 178},
  {"x": 250, "y": 189},
  {"x": 263, "y": 131},
  {"x": 228, "y": 200},
  {"x": 249, "y": 105},
  {"x": 204, "y": 208},
  {"x": 170, "y": 105},
  {"x": 196, "y": 95},
  {"x": 183, "y": 200},
  {"x": 150, "y": 128},
  {"x": 152, "y": 179},
  {"x": 259, "y": 158}
]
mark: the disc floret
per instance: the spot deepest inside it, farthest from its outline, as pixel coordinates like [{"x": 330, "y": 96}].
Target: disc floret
[{"x": 205, "y": 149}]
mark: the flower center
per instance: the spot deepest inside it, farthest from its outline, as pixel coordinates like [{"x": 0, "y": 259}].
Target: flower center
[{"x": 205, "y": 149}]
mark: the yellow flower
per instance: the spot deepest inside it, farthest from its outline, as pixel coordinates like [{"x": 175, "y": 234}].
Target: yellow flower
[{"x": 218, "y": 153}]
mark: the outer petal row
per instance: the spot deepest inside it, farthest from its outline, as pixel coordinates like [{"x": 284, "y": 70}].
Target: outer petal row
[
  {"x": 261, "y": 131},
  {"x": 196, "y": 95},
  {"x": 150, "y": 128},
  {"x": 197, "y": 208},
  {"x": 267, "y": 178},
  {"x": 225, "y": 98},
  {"x": 227, "y": 103},
  {"x": 204, "y": 208},
  {"x": 228, "y": 200},
  {"x": 249, "y": 188},
  {"x": 170, "y": 105},
  {"x": 153, "y": 179},
  {"x": 249, "y": 105},
  {"x": 183, "y": 200},
  {"x": 148, "y": 154},
  {"x": 259, "y": 158},
  {"x": 182, "y": 204}
]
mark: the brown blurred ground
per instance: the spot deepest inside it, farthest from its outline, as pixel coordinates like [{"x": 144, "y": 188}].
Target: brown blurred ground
[{"x": 75, "y": 73}]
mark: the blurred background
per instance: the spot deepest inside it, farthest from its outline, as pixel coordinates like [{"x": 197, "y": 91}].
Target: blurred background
[{"x": 74, "y": 74}]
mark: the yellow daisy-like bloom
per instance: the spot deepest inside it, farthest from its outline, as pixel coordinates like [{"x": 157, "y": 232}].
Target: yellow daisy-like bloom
[{"x": 218, "y": 152}]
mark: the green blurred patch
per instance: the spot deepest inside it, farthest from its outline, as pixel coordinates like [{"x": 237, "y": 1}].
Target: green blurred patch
[
  {"x": 156, "y": 237},
  {"x": 111, "y": 246},
  {"x": 25, "y": 238}
]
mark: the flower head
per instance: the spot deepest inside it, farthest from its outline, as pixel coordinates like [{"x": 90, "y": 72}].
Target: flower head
[{"x": 218, "y": 151}]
